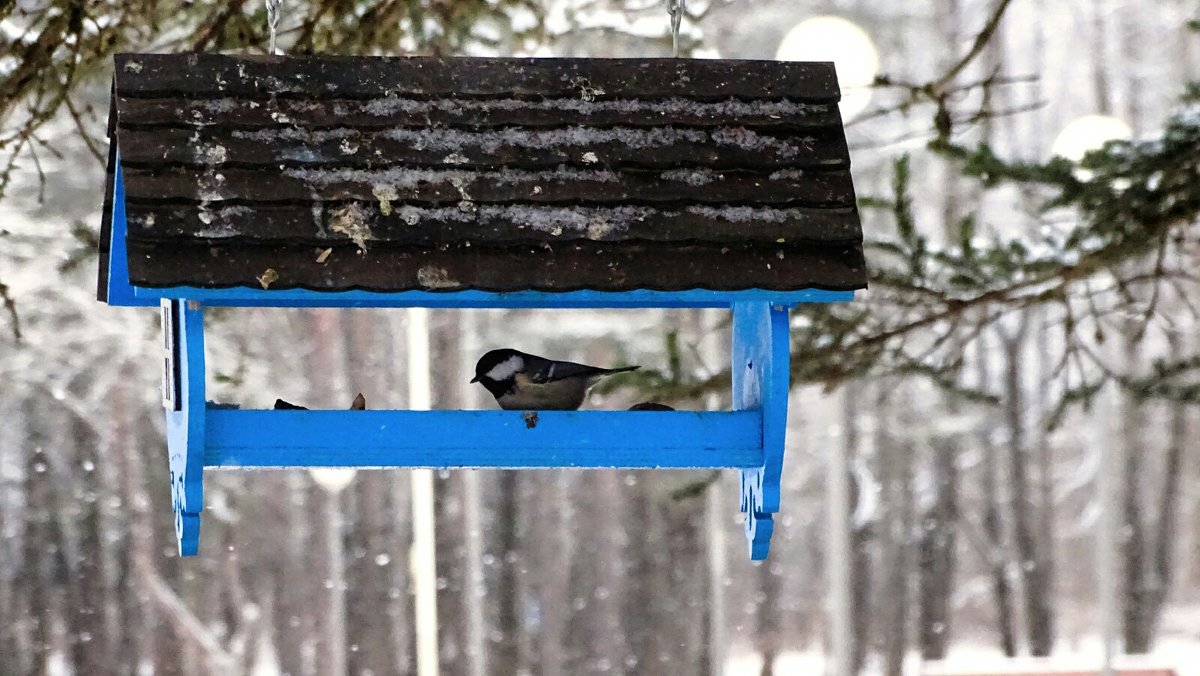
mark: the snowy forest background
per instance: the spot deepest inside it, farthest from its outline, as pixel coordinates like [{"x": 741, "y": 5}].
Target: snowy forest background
[{"x": 1023, "y": 367}]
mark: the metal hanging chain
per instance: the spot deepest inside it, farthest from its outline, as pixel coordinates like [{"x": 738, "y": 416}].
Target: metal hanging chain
[
  {"x": 273, "y": 11},
  {"x": 676, "y": 8}
]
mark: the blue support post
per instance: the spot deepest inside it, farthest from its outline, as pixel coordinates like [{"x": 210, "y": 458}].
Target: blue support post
[
  {"x": 185, "y": 424},
  {"x": 761, "y": 357}
]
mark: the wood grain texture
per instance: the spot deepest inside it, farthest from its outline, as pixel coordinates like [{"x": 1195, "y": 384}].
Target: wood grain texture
[
  {"x": 581, "y": 147},
  {"x": 209, "y": 75},
  {"x": 391, "y": 110},
  {"x": 471, "y": 224},
  {"x": 560, "y": 185},
  {"x": 544, "y": 267},
  {"x": 441, "y": 174}
]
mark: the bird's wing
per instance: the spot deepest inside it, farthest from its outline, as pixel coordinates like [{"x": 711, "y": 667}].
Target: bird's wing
[{"x": 542, "y": 371}]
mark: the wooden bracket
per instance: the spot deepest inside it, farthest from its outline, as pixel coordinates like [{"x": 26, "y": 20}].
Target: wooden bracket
[{"x": 761, "y": 357}]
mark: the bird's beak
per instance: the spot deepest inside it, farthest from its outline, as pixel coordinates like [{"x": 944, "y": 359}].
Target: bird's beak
[{"x": 475, "y": 379}]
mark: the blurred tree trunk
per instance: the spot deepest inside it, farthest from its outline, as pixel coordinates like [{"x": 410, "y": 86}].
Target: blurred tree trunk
[
  {"x": 715, "y": 638},
  {"x": 1047, "y": 540},
  {"x": 549, "y": 548},
  {"x": 767, "y": 617},
  {"x": 202, "y": 592},
  {"x": 42, "y": 558},
  {"x": 136, "y": 553},
  {"x": 606, "y": 639},
  {"x": 451, "y": 582},
  {"x": 401, "y": 609},
  {"x": 14, "y": 439},
  {"x": 505, "y": 657},
  {"x": 156, "y": 540},
  {"x": 1101, "y": 86},
  {"x": 684, "y": 522},
  {"x": 596, "y": 634},
  {"x": 529, "y": 612},
  {"x": 862, "y": 525},
  {"x": 993, "y": 523},
  {"x": 647, "y": 577},
  {"x": 1160, "y": 568},
  {"x": 895, "y": 475},
  {"x": 936, "y": 551},
  {"x": 1031, "y": 558},
  {"x": 373, "y": 563},
  {"x": 90, "y": 648},
  {"x": 242, "y": 614},
  {"x": 1139, "y": 582},
  {"x": 285, "y": 544},
  {"x": 1135, "y": 600}
]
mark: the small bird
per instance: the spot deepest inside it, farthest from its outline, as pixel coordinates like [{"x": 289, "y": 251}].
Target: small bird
[{"x": 526, "y": 382}]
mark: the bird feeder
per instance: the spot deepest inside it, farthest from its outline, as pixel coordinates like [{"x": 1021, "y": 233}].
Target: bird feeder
[{"x": 320, "y": 181}]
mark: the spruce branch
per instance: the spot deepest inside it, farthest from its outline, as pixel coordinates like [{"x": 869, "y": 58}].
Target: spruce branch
[{"x": 1130, "y": 211}]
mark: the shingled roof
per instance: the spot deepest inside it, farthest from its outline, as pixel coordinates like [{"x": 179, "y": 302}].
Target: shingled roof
[{"x": 394, "y": 174}]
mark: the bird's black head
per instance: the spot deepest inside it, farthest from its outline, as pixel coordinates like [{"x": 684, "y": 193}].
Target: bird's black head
[{"x": 496, "y": 369}]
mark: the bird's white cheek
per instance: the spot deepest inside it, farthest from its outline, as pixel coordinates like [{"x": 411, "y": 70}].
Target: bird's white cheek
[{"x": 505, "y": 369}]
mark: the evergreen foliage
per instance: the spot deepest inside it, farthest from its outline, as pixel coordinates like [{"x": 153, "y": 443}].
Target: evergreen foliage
[{"x": 1118, "y": 234}]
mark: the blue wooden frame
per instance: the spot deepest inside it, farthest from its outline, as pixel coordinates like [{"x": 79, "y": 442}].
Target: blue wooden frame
[
  {"x": 761, "y": 356},
  {"x": 186, "y": 426},
  {"x": 750, "y": 438},
  {"x": 499, "y": 439}
]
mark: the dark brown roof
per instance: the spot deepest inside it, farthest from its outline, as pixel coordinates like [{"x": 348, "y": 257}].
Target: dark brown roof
[{"x": 496, "y": 174}]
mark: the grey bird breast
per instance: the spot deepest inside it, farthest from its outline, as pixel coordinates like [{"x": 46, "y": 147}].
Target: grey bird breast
[{"x": 559, "y": 395}]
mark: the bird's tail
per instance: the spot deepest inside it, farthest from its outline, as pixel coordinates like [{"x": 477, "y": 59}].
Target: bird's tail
[{"x": 622, "y": 369}]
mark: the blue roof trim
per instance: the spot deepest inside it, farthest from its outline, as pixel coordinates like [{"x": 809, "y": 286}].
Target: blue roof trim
[
  {"x": 119, "y": 290},
  {"x": 693, "y": 298}
]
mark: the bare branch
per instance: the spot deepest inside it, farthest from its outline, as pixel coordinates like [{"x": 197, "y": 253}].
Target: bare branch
[
  {"x": 981, "y": 40},
  {"x": 187, "y": 626},
  {"x": 83, "y": 133},
  {"x": 215, "y": 24},
  {"x": 11, "y": 306}
]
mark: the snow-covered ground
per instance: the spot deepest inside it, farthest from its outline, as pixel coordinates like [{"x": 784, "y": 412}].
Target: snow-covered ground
[
  {"x": 1176, "y": 650},
  {"x": 1178, "y": 654}
]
